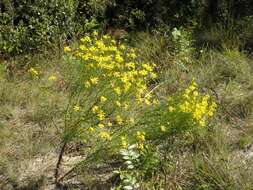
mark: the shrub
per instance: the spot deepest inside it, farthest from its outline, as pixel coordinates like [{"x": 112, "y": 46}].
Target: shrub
[
  {"x": 186, "y": 113},
  {"x": 111, "y": 83},
  {"x": 167, "y": 47},
  {"x": 34, "y": 25},
  {"x": 111, "y": 105},
  {"x": 111, "y": 79},
  {"x": 183, "y": 45}
]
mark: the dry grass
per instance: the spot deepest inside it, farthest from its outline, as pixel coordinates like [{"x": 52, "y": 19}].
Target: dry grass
[{"x": 31, "y": 121}]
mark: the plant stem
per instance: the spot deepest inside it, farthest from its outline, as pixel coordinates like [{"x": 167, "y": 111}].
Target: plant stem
[{"x": 58, "y": 164}]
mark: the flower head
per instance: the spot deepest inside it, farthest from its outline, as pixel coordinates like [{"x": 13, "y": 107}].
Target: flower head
[
  {"x": 76, "y": 108},
  {"x": 103, "y": 99},
  {"x": 163, "y": 128},
  {"x": 140, "y": 136},
  {"x": 94, "y": 80},
  {"x": 104, "y": 135},
  {"x": 33, "y": 72},
  {"x": 52, "y": 78},
  {"x": 67, "y": 49},
  {"x": 119, "y": 120}
]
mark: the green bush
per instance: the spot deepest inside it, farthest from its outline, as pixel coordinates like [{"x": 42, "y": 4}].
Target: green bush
[{"x": 28, "y": 26}]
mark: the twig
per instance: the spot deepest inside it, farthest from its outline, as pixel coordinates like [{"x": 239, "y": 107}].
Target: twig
[
  {"x": 67, "y": 173},
  {"x": 58, "y": 165}
]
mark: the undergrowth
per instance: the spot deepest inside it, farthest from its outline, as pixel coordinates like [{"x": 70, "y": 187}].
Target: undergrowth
[{"x": 156, "y": 113}]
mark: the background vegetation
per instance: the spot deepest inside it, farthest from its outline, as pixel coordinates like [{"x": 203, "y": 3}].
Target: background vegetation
[{"x": 109, "y": 94}]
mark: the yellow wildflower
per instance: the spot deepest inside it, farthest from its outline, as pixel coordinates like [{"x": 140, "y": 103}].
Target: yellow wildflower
[
  {"x": 156, "y": 101},
  {"x": 95, "y": 33},
  {"x": 126, "y": 106},
  {"x": 132, "y": 55},
  {"x": 76, "y": 108},
  {"x": 103, "y": 99},
  {"x": 118, "y": 58},
  {"x": 100, "y": 125},
  {"x": 91, "y": 129},
  {"x": 117, "y": 90},
  {"x": 130, "y": 65},
  {"x": 104, "y": 135},
  {"x": 171, "y": 108},
  {"x": 94, "y": 80},
  {"x": 123, "y": 47},
  {"x": 94, "y": 109},
  {"x": 87, "y": 84},
  {"x": 202, "y": 123},
  {"x": 118, "y": 103},
  {"x": 119, "y": 120},
  {"x": 146, "y": 100},
  {"x": 199, "y": 106},
  {"x": 67, "y": 49},
  {"x": 52, "y": 78},
  {"x": 101, "y": 115},
  {"x": 109, "y": 124},
  {"x": 131, "y": 120},
  {"x": 124, "y": 142},
  {"x": 86, "y": 39},
  {"x": 141, "y": 146},
  {"x": 113, "y": 42},
  {"x": 106, "y": 37},
  {"x": 195, "y": 93},
  {"x": 33, "y": 72},
  {"x": 82, "y": 47},
  {"x": 140, "y": 136},
  {"x": 163, "y": 128},
  {"x": 153, "y": 75},
  {"x": 143, "y": 72}
]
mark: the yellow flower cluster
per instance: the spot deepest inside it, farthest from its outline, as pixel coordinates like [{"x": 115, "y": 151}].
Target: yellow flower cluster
[
  {"x": 76, "y": 108},
  {"x": 124, "y": 142},
  {"x": 67, "y": 49},
  {"x": 105, "y": 135},
  {"x": 200, "y": 106},
  {"x": 103, "y": 60},
  {"x": 117, "y": 72},
  {"x": 140, "y": 136},
  {"x": 52, "y": 78},
  {"x": 163, "y": 128},
  {"x": 33, "y": 72}
]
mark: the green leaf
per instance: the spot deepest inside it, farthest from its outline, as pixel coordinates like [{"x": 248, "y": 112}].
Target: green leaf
[{"x": 128, "y": 187}]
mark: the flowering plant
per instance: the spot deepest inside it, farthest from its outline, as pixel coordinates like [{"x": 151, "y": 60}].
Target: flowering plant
[
  {"x": 110, "y": 102},
  {"x": 111, "y": 84}
]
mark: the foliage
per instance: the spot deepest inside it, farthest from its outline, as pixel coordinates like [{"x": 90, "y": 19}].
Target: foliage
[
  {"x": 155, "y": 47},
  {"x": 183, "y": 45},
  {"x": 135, "y": 95},
  {"x": 143, "y": 14},
  {"x": 110, "y": 79},
  {"x": 113, "y": 76},
  {"x": 28, "y": 26},
  {"x": 175, "y": 150},
  {"x": 111, "y": 90},
  {"x": 167, "y": 47},
  {"x": 129, "y": 175}
]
